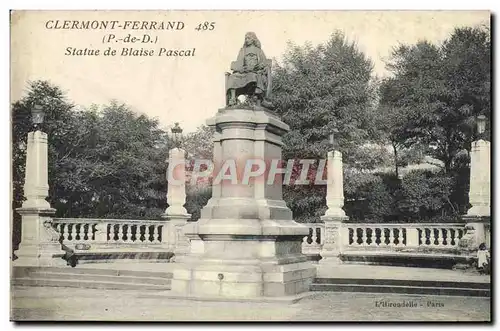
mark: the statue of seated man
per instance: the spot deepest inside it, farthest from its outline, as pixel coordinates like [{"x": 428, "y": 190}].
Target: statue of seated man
[{"x": 250, "y": 73}]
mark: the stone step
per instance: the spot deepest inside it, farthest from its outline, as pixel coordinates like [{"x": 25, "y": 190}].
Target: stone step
[
  {"x": 20, "y": 272},
  {"x": 401, "y": 289},
  {"x": 99, "y": 278},
  {"x": 403, "y": 282},
  {"x": 109, "y": 285}
]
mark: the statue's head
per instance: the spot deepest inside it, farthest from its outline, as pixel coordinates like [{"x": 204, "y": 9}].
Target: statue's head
[{"x": 251, "y": 39}]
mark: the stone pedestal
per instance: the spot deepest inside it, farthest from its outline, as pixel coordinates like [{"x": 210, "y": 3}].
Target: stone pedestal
[
  {"x": 40, "y": 241},
  {"x": 176, "y": 215},
  {"x": 479, "y": 192},
  {"x": 176, "y": 178},
  {"x": 478, "y": 216},
  {"x": 246, "y": 244},
  {"x": 173, "y": 235},
  {"x": 334, "y": 215}
]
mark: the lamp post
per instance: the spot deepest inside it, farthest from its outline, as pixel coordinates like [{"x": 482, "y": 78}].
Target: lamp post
[
  {"x": 176, "y": 135},
  {"x": 37, "y": 115},
  {"x": 332, "y": 138},
  {"x": 39, "y": 244},
  {"x": 480, "y": 125}
]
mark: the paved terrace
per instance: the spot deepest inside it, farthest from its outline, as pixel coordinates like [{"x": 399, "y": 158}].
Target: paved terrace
[
  {"x": 44, "y": 303},
  {"x": 98, "y": 305}
]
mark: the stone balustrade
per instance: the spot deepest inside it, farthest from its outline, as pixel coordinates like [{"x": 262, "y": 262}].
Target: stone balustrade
[
  {"x": 402, "y": 235},
  {"x": 109, "y": 232},
  {"x": 115, "y": 233},
  {"x": 312, "y": 243},
  {"x": 393, "y": 236}
]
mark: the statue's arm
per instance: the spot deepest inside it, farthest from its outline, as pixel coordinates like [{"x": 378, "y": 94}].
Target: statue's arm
[{"x": 237, "y": 66}]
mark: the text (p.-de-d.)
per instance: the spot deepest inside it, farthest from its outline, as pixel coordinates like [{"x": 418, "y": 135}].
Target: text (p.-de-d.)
[{"x": 130, "y": 51}]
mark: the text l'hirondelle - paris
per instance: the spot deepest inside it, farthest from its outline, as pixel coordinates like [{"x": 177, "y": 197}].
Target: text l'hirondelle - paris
[{"x": 111, "y": 25}]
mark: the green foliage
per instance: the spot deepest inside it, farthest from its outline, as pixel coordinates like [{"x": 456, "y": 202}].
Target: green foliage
[
  {"x": 107, "y": 163},
  {"x": 196, "y": 198},
  {"x": 368, "y": 196},
  {"x": 424, "y": 195},
  {"x": 420, "y": 196},
  {"x": 317, "y": 89},
  {"x": 199, "y": 144},
  {"x": 307, "y": 202},
  {"x": 436, "y": 91}
]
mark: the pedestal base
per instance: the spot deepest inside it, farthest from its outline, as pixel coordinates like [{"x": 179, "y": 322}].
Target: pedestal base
[
  {"x": 41, "y": 255},
  {"x": 232, "y": 280},
  {"x": 245, "y": 266},
  {"x": 330, "y": 252},
  {"x": 477, "y": 232},
  {"x": 175, "y": 240}
]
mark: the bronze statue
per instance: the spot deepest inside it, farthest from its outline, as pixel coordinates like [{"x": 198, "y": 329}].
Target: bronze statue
[{"x": 251, "y": 75}]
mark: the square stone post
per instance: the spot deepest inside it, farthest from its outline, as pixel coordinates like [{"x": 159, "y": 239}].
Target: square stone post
[
  {"x": 334, "y": 215},
  {"x": 176, "y": 215},
  {"x": 478, "y": 217},
  {"x": 247, "y": 245},
  {"x": 40, "y": 241},
  {"x": 412, "y": 237}
]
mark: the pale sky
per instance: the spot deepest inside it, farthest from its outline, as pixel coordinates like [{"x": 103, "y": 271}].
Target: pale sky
[{"x": 189, "y": 90}]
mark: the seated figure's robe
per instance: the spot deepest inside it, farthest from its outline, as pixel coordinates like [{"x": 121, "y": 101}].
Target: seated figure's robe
[{"x": 250, "y": 67}]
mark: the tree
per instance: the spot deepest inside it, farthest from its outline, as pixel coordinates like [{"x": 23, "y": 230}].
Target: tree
[
  {"x": 424, "y": 195},
  {"x": 315, "y": 90},
  {"x": 199, "y": 144},
  {"x": 58, "y": 120},
  {"x": 441, "y": 89},
  {"x": 102, "y": 163}
]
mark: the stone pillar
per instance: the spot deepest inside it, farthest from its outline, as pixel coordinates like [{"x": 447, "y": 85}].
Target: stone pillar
[
  {"x": 176, "y": 215},
  {"x": 334, "y": 215},
  {"x": 40, "y": 241},
  {"x": 248, "y": 245},
  {"x": 412, "y": 237},
  {"x": 479, "y": 191},
  {"x": 478, "y": 216}
]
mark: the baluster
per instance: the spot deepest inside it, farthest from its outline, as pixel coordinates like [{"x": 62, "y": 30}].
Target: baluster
[
  {"x": 344, "y": 236},
  {"x": 92, "y": 231},
  {"x": 156, "y": 234},
  {"x": 61, "y": 231},
  {"x": 127, "y": 233},
  {"x": 376, "y": 238},
  {"x": 383, "y": 236},
  {"x": 427, "y": 236},
  {"x": 364, "y": 236},
  {"x": 313, "y": 236},
  {"x": 67, "y": 231},
  {"x": 400, "y": 237},
  {"x": 440, "y": 232},
  {"x": 79, "y": 231},
  {"x": 148, "y": 234},
  {"x": 356, "y": 236},
  {"x": 391, "y": 237},
  {"x": 120, "y": 232},
  {"x": 433, "y": 236},
  {"x": 304, "y": 242},
  {"x": 452, "y": 234},
  {"x": 73, "y": 232}
]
